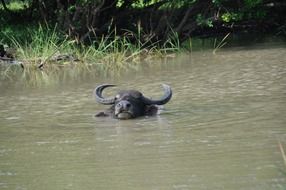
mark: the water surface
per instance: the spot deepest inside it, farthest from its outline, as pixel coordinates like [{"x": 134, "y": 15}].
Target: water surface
[{"x": 220, "y": 130}]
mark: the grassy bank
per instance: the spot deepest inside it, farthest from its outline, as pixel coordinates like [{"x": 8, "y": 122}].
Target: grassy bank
[
  {"x": 43, "y": 45},
  {"x": 42, "y": 54}
]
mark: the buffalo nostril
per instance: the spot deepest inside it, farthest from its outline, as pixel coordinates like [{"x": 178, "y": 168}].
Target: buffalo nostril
[{"x": 128, "y": 105}]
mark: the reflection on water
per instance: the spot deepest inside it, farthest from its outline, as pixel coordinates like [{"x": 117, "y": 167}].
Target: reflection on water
[{"x": 220, "y": 131}]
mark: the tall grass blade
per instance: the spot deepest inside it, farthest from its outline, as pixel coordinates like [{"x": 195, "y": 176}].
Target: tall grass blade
[
  {"x": 282, "y": 152},
  {"x": 220, "y": 44}
]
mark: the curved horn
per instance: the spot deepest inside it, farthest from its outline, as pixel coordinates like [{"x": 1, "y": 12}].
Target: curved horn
[
  {"x": 165, "y": 98},
  {"x": 98, "y": 94}
]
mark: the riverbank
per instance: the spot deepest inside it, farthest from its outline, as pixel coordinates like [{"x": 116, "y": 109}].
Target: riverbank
[
  {"x": 43, "y": 45},
  {"x": 55, "y": 72},
  {"x": 44, "y": 48},
  {"x": 70, "y": 34}
]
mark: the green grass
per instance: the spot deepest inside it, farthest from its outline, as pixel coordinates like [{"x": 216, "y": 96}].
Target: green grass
[{"x": 38, "y": 45}]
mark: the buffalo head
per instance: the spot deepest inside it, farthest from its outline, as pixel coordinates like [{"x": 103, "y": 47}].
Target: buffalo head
[{"x": 129, "y": 104}]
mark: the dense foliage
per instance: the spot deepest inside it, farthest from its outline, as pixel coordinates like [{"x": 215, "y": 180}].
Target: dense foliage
[{"x": 149, "y": 20}]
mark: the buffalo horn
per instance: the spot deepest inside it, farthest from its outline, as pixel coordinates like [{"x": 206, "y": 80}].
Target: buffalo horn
[
  {"x": 163, "y": 100},
  {"x": 98, "y": 94}
]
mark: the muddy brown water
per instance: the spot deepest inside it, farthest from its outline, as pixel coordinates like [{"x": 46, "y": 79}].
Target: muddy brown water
[{"x": 220, "y": 130}]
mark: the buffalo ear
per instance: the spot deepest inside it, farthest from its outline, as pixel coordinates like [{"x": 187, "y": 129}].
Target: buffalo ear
[{"x": 151, "y": 110}]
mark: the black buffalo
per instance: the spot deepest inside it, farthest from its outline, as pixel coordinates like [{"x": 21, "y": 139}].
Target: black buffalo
[{"x": 129, "y": 104}]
